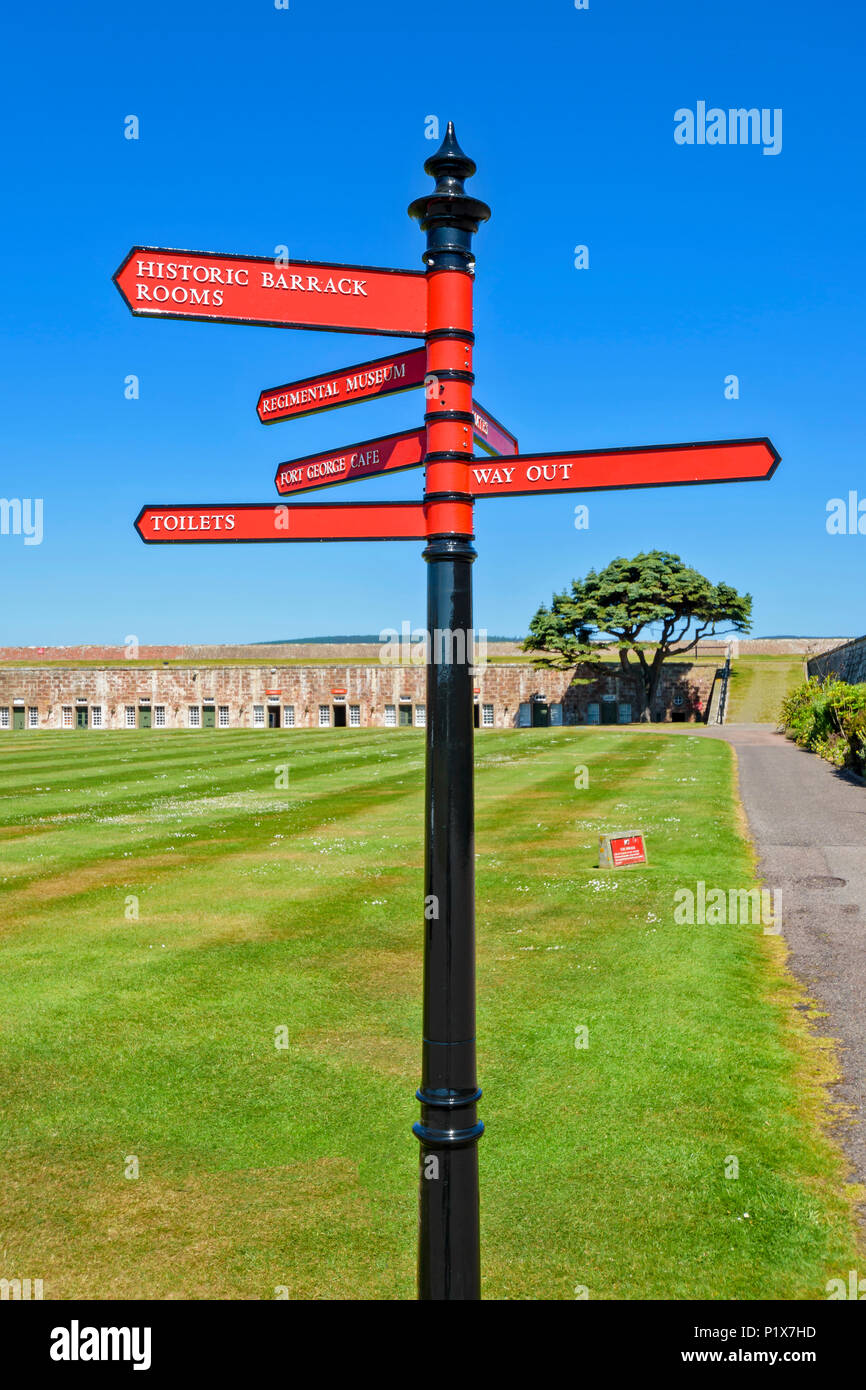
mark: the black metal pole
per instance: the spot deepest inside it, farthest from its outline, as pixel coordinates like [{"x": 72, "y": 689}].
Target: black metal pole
[{"x": 449, "y": 1128}]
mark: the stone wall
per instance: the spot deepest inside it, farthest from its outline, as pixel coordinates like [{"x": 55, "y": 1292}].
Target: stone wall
[
  {"x": 360, "y": 651},
  {"x": 846, "y": 663},
  {"x": 377, "y": 690}
]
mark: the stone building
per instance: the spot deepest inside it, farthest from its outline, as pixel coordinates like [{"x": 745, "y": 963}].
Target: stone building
[{"x": 378, "y": 695}]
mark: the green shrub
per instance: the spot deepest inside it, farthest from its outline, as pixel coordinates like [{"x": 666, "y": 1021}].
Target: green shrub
[{"x": 829, "y": 718}]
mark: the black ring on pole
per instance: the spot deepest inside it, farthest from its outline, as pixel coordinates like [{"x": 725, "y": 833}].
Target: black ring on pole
[
  {"x": 449, "y": 545},
  {"x": 461, "y": 454},
  {"x": 452, "y": 1100},
  {"x": 448, "y": 497},
  {"x": 462, "y": 334},
  {"x": 452, "y": 374},
  {"x": 448, "y": 1138},
  {"x": 462, "y": 417}
]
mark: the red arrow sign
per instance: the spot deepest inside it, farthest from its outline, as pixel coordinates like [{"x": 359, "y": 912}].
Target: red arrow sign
[
  {"x": 492, "y": 436},
  {"x": 389, "y": 454},
  {"x": 384, "y": 376},
  {"x": 275, "y": 521},
  {"x": 660, "y": 465},
  {"x": 258, "y": 290}
]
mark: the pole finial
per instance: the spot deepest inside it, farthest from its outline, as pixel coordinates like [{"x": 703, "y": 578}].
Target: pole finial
[{"x": 448, "y": 214}]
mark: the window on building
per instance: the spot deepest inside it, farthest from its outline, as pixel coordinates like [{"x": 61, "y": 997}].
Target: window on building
[
  {"x": 129, "y": 716},
  {"x": 258, "y": 716},
  {"x": 223, "y": 716},
  {"x": 96, "y": 716},
  {"x": 324, "y": 716},
  {"x": 420, "y": 716},
  {"x": 390, "y": 716},
  {"x": 66, "y": 717},
  {"x": 289, "y": 716},
  {"x": 33, "y": 717},
  {"x": 194, "y": 716},
  {"x": 355, "y": 716},
  {"x": 159, "y": 716},
  {"x": 4, "y": 716},
  {"x": 487, "y": 716}
]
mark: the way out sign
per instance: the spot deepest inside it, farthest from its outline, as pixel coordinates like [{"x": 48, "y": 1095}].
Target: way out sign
[
  {"x": 659, "y": 465},
  {"x": 621, "y": 851}
]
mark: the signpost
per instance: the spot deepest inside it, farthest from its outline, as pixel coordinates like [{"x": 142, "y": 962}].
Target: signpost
[
  {"x": 217, "y": 288},
  {"x": 390, "y": 454},
  {"x": 384, "y": 376},
  {"x": 493, "y": 437},
  {"x": 661, "y": 465},
  {"x": 436, "y": 305},
  {"x": 276, "y": 521}
]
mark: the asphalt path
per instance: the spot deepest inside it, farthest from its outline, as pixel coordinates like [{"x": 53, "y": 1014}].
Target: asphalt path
[{"x": 808, "y": 823}]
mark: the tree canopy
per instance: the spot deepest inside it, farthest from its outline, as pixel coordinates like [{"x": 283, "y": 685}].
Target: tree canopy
[{"x": 647, "y": 605}]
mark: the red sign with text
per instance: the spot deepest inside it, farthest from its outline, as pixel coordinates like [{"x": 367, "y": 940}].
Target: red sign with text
[
  {"x": 492, "y": 436},
  {"x": 389, "y": 454},
  {"x": 728, "y": 461},
  {"x": 259, "y": 290},
  {"x": 275, "y": 521},
  {"x": 627, "y": 850},
  {"x": 384, "y": 376}
]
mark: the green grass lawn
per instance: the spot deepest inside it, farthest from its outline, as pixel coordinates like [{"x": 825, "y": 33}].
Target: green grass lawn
[
  {"x": 758, "y": 685},
  {"x": 263, "y": 907}
]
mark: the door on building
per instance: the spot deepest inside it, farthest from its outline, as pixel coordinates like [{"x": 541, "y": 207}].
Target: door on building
[
  {"x": 608, "y": 712},
  {"x": 208, "y": 716},
  {"x": 340, "y": 716},
  {"x": 405, "y": 716},
  {"x": 18, "y": 718},
  {"x": 81, "y": 717},
  {"x": 540, "y": 714},
  {"x": 273, "y": 716},
  {"x": 144, "y": 716}
]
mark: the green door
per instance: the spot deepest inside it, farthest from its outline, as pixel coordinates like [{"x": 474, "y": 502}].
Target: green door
[
  {"x": 540, "y": 714},
  {"x": 81, "y": 717},
  {"x": 208, "y": 717},
  {"x": 608, "y": 711},
  {"x": 144, "y": 716},
  {"x": 406, "y": 716},
  {"x": 17, "y": 719}
]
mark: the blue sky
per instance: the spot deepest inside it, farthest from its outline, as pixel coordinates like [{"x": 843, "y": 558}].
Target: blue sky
[{"x": 305, "y": 127}]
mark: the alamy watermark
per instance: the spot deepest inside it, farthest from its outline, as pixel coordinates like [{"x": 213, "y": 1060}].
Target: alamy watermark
[
  {"x": 715, "y": 907},
  {"x": 736, "y": 126},
  {"x": 22, "y": 516},
  {"x": 446, "y": 646}
]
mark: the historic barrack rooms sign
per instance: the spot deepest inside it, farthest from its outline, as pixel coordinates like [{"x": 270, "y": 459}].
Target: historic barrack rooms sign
[{"x": 258, "y": 290}]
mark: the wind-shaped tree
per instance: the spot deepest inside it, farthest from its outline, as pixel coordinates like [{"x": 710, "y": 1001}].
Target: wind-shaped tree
[{"x": 647, "y": 606}]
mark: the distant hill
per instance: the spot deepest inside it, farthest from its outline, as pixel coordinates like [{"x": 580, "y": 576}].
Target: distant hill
[{"x": 343, "y": 640}]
